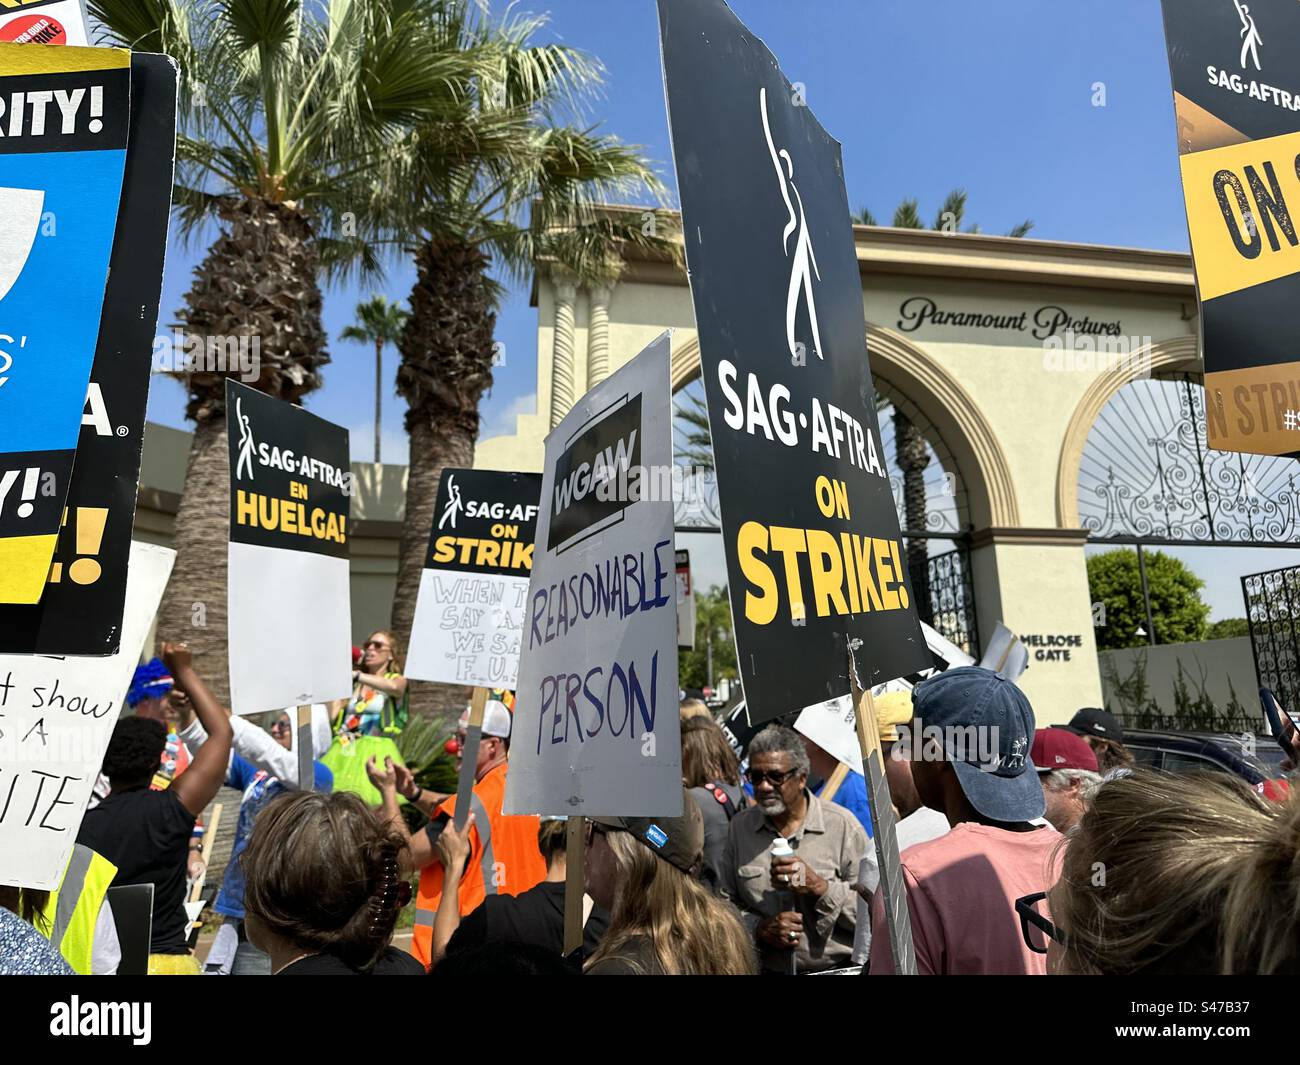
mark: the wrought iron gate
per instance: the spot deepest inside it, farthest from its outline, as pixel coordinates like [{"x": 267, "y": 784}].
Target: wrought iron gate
[
  {"x": 1272, "y": 599},
  {"x": 952, "y": 599}
]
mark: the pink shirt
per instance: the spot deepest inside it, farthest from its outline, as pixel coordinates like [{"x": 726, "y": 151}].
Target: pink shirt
[{"x": 961, "y": 892}]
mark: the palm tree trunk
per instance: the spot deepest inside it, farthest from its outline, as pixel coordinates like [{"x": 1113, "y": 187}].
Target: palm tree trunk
[
  {"x": 446, "y": 350},
  {"x": 379, "y": 393},
  {"x": 913, "y": 457},
  {"x": 194, "y": 609},
  {"x": 258, "y": 282}
]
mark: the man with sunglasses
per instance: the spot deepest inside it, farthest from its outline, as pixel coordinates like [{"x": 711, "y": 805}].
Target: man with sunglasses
[{"x": 800, "y": 908}]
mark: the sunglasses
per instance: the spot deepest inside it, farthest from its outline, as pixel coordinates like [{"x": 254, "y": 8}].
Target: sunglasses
[
  {"x": 375, "y": 644},
  {"x": 757, "y": 776},
  {"x": 1036, "y": 928}
]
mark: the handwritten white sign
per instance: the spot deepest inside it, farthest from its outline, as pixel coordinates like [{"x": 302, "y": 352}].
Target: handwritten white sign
[{"x": 56, "y": 717}]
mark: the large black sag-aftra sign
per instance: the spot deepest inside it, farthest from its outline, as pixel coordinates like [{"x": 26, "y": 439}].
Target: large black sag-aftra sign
[{"x": 814, "y": 557}]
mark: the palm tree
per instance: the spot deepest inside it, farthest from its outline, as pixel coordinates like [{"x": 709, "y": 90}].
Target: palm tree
[
  {"x": 948, "y": 220},
  {"x": 694, "y": 445},
  {"x": 288, "y": 107},
  {"x": 381, "y": 323},
  {"x": 507, "y": 183},
  {"x": 910, "y": 447}
]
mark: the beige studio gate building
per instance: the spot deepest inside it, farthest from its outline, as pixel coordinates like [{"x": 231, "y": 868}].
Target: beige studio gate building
[{"x": 1034, "y": 441}]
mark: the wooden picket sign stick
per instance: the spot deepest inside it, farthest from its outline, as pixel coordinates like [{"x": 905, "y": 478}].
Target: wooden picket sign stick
[
  {"x": 304, "y": 748},
  {"x": 833, "y": 782},
  {"x": 209, "y": 839},
  {"x": 575, "y": 847},
  {"x": 884, "y": 836},
  {"x": 1007, "y": 653},
  {"x": 469, "y": 758}
]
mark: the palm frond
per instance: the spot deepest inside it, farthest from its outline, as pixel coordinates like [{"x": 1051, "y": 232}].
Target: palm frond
[
  {"x": 951, "y": 213},
  {"x": 906, "y": 216}
]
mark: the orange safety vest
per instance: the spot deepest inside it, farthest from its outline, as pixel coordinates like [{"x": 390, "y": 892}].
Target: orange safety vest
[{"x": 504, "y": 859}]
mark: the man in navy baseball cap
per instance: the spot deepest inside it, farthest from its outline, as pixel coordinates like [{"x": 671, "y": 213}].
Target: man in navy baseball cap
[
  {"x": 987, "y": 726},
  {"x": 969, "y": 741}
]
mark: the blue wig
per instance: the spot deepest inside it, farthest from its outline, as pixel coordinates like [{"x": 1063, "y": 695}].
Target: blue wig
[{"x": 151, "y": 681}]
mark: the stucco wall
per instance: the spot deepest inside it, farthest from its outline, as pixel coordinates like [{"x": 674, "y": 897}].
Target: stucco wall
[{"x": 1227, "y": 665}]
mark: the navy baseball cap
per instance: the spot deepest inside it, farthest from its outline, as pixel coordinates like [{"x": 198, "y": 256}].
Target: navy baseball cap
[
  {"x": 677, "y": 840},
  {"x": 992, "y": 763}
]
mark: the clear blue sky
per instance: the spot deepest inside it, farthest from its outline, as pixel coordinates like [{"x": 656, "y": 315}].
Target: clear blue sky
[{"x": 925, "y": 95}]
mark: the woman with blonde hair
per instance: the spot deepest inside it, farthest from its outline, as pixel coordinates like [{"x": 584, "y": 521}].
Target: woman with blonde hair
[
  {"x": 1165, "y": 874},
  {"x": 378, "y": 703},
  {"x": 663, "y": 921}
]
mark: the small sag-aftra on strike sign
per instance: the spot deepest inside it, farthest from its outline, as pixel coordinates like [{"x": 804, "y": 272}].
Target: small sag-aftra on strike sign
[
  {"x": 1235, "y": 68},
  {"x": 596, "y": 726},
  {"x": 289, "y": 586},
  {"x": 814, "y": 556},
  {"x": 469, "y": 617}
]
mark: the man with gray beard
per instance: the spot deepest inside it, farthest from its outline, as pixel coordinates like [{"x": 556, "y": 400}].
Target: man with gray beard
[{"x": 799, "y": 906}]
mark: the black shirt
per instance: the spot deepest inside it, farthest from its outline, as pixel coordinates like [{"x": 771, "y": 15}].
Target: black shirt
[
  {"x": 392, "y": 962},
  {"x": 146, "y": 834},
  {"x": 535, "y": 916}
]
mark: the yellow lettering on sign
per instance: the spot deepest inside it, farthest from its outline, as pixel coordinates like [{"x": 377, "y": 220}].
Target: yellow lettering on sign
[
  {"x": 24, "y": 562},
  {"x": 850, "y": 574},
  {"x": 471, "y": 550},
  {"x": 291, "y": 518}
]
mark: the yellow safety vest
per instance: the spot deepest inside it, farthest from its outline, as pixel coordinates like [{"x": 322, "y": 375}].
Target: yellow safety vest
[{"x": 70, "y": 915}]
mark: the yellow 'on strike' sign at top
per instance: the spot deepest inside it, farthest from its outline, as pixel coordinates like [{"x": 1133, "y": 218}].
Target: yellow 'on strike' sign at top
[{"x": 1241, "y": 204}]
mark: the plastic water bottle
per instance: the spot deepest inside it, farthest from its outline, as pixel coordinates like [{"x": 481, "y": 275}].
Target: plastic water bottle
[{"x": 781, "y": 849}]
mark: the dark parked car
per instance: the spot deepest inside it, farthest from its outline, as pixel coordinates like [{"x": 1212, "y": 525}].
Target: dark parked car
[{"x": 1183, "y": 752}]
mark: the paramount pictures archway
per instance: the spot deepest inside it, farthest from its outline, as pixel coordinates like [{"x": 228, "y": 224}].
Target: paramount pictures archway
[{"x": 983, "y": 432}]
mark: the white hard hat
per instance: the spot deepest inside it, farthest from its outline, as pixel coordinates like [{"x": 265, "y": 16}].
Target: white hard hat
[{"x": 496, "y": 719}]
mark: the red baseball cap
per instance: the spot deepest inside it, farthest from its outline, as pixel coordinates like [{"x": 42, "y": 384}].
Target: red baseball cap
[{"x": 1058, "y": 748}]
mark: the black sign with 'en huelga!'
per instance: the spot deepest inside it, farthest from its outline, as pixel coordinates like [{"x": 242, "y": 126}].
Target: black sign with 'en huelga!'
[
  {"x": 80, "y": 612},
  {"x": 485, "y": 521},
  {"x": 290, "y": 484},
  {"x": 814, "y": 555}
]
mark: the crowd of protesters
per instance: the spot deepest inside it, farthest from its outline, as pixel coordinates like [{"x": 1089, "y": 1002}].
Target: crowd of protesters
[{"x": 1033, "y": 851}]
